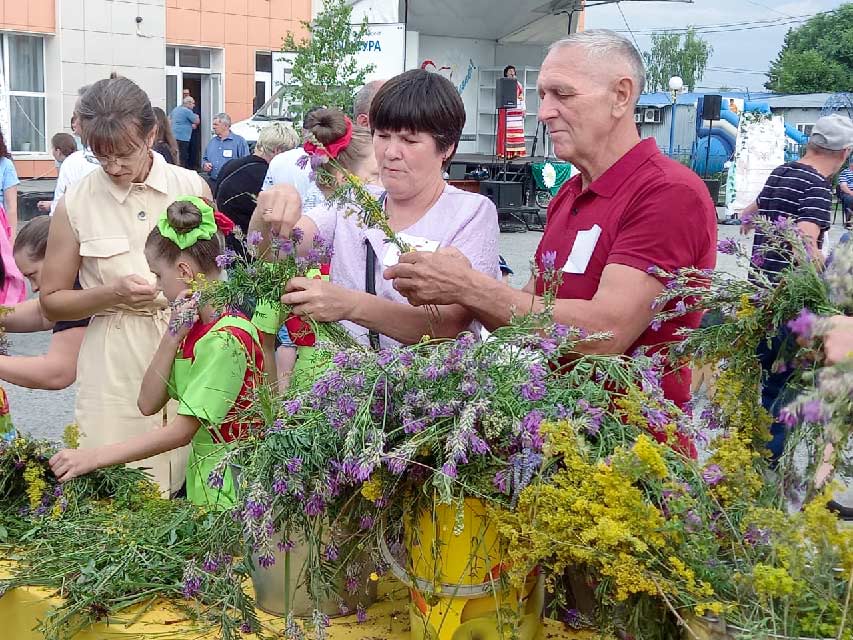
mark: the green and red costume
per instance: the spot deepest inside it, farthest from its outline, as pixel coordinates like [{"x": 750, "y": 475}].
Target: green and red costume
[{"x": 215, "y": 373}]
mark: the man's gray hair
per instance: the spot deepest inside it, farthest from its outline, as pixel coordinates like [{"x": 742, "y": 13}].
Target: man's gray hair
[
  {"x": 365, "y": 96},
  {"x": 224, "y": 118},
  {"x": 603, "y": 44},
  {"x": 187, "y": 100}
]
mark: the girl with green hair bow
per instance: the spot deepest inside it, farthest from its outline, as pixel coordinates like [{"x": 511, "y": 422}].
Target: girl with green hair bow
[{"x": 209, "y": 362}]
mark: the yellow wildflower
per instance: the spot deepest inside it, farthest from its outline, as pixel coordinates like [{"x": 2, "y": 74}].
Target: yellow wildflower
[
  {"x": 746, "y": 309},
  {"x": 372, "y": 489},
  {"x": 36, "y": 484},
  {"x": 71, "y": 436},
  {"x": 649, "y": 454}
]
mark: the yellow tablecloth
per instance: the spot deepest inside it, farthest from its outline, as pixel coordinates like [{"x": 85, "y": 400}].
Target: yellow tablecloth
[{"x": 21, "y": 609}]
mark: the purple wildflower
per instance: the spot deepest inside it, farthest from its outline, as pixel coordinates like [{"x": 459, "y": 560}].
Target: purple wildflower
[
  {"x": 266, "y": 561},
  {"x": 812, "y": 411},
  {"x": 254, "y": 238},
  {"x": 216, "y": 479},
  {"x": 210, "y": 564},
  {"x": 803, "y": 325},
  {"x": 713, "y": 475},
  {"x": 501, "y": 481},
  {"x": 572, "y": 617},
  {"x": 692, "y": 522},
  {"x": 297, "y": 234},
  {"x": 245, "y": 627},
  {"x": 655, "y": 325},
  {"x": 293, "y": 406},
  {"x": 286, "y": 545},
  {"x": 366, "y": 523},
  {"x": 449, "y": 469},
  {"x": 549, "y": 259},
  {"x": 225, "y": 260},
  {"x": 758, "y": 260},
  {"x": 331, "y": 552},
  {"x": 727, "y": 246},
  {"x": 788, "y": 418},
  {"x": 302, "y": 162},
  {"x": 315, "y": 505},
  {"x": 533, "y": 391},
  {"x": 756, "y": 536},
  {"x": 279, "y": 486},
  {"x": 360, "y": 614},
  {"x": 347, "y": 406},
  {"x": 294, "y": 465},
  {"x": 680, "y": 307},
  {"x": 747, "y": 218},
  {"x": 191, "y": 586},
  {"x": 255, "y": 510}
]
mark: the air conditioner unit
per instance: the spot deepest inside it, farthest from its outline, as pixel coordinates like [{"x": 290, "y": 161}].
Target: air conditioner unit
[
  {"x": 638, "y": 117},
  {"x": 651, "y": 115}
]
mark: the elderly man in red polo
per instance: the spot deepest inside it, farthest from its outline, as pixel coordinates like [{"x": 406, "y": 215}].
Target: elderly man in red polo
[{"x": 629, "y": 209}]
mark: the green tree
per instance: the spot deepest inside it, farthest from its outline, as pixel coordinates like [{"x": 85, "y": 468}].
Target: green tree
[
  {"x": 817, "y": 55},
  {"x": 673, "y": 54},
  {"x": 325, "y": 70}
]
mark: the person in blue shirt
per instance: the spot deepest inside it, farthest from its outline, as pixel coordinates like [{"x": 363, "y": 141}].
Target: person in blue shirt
[
  {"x": 845, "y": 186},
  {"x": 223, "y": 146},
  {"x": 184, "y": 120}
]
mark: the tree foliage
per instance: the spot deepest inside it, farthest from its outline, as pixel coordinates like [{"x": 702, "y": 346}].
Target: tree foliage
[
  {"x": 325, "y": 69},
  {"x": 674, "y": 54},
  {"x": 817, "y": 55}
]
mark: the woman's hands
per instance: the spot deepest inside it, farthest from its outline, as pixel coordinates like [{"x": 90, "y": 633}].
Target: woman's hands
[
  {"x": 134, "y": 290},
  {"x": 319, "y": 299},
  {"x": 278, "y": 209}
]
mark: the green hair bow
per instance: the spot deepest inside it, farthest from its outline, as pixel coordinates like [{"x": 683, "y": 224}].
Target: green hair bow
[{"x": 204, "y": 231}]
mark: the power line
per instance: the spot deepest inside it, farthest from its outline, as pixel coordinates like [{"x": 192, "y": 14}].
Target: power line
[
  {"x": 625, "y": 20},
  {"x": 744, "y": 25}
]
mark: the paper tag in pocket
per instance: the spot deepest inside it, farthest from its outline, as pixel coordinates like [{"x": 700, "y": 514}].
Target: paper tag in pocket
[
  {"x": 582, "y": 249},
  {"x": 392, "y": 252},
  {"x": 227, "y": 153}
]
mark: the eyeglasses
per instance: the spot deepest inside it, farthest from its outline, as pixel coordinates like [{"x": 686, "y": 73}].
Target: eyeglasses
[{"x": 122, "y": 161}]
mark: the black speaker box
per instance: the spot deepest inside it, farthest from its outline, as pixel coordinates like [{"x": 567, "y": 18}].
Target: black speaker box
[
  {"x": 711, "y": 106},
  {"x": 506, "y": 93},
  {"x": 504, "y": 194}
]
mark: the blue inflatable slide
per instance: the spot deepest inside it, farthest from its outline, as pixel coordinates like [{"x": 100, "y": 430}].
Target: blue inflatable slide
[{"x": 722, "y": 135}]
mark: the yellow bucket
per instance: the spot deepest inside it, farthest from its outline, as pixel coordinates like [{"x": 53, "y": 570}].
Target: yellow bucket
[{"x": 456, "y": 564}]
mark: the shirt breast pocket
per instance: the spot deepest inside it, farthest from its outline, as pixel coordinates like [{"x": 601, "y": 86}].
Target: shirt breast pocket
[{"x": 109, "y": 258}]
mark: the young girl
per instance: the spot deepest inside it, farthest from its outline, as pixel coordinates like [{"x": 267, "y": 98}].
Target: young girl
[{"x": 209, "y": 363}]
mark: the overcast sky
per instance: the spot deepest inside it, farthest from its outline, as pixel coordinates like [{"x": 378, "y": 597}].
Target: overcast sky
[{"x": 747, "y": 51}]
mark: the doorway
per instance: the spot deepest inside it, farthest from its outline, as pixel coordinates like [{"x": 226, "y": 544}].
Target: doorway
[{"x": 199, "y": 72}]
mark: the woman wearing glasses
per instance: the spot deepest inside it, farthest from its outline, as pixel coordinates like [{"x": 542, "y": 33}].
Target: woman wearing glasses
[{"x": 99, "y": 230}]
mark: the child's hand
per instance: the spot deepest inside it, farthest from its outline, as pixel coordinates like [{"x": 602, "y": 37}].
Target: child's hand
[
  {"x": 184, "y": 313},
  {"x": 70, "y": 463}
]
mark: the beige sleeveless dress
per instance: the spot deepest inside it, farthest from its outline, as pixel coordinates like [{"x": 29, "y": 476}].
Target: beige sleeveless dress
[{"x": 111, "y": 224}]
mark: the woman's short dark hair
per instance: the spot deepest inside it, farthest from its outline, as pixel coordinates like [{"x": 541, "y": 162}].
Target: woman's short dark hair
[
  {"x": 184, "y": 216},
  {"x": 32, "y": 238},
  {"x": 507, "y": 68},
  {"x": 421, "y": 102},
  {"x": 115, "y": 116}
]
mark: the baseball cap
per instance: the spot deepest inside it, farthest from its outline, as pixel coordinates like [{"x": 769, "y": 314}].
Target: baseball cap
[
  {"x": 504, "y": 267},
  {"x": 833, "y": 132}
]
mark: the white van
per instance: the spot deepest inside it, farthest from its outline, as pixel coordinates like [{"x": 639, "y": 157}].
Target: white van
[{"x": 279, "y": 108}]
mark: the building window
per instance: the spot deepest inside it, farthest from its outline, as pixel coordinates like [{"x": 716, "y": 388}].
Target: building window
[
  {"x": 805, "y": 129},
  {"x": 263, "y": 62},
  {"x": 23, "y": 67}
]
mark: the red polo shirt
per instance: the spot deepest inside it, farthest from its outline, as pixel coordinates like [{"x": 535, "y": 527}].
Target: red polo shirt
[{"x": 652, "y": 211}]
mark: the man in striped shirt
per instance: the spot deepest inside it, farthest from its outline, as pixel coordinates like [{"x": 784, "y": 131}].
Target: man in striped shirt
[
  {"x": 845, "y": 185},
  {"x": 801, "y": 193}
]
